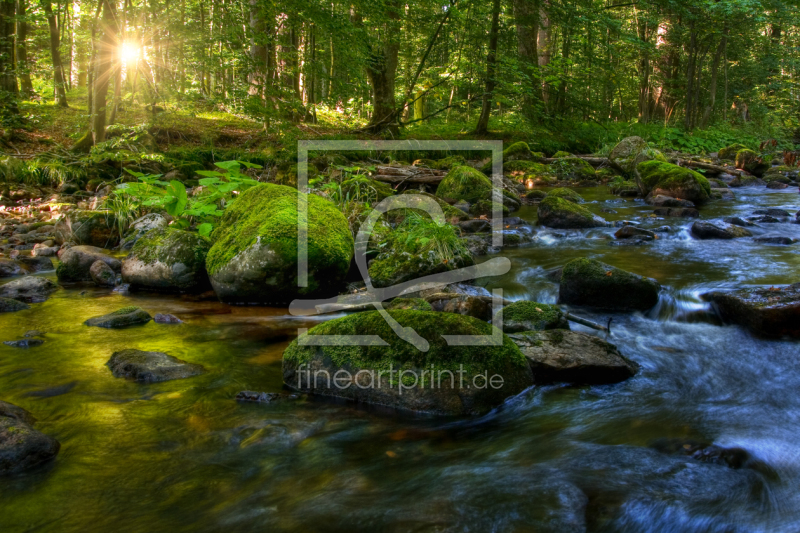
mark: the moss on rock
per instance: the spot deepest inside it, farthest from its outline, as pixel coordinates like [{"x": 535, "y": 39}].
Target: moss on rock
[
  {"x": 559, "y": 213},
  {"x": 366, "y": 189},
  {"x": 464, "y": 183},
  {"x": 592, "y": 283},
  {"x": 751, "y": 162},
  {"x": 573, "y": 168},
  {"x": 254, "y": 255},
  {"x": 729, "y": 152},
  {"x": 532, "y": 316},
  {"x": 518, "y": 150},
  {"x": 671, "y": 180},
  {"x": 566, "y": 194},
  {"x": 168, "y": 259},
  {"x": 631, "y": 151},
  {"x": 414, "y": 304}
]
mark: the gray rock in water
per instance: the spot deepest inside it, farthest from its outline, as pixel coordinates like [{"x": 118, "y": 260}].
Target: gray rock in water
[
  {"x": 150, "y": 367},
  {"x": 42, "y": 250},
  {"x": 718, "y": 230},
  {"x": 531, "y": 316},
  {"x": 127, "y": 316},
  {"x": 772, "y": 211},
  {"x": 568, "y": 356},
  {"x": 76, "y": 263},
  {"x": 773, "y": 238},
  {"x": 476, "y": 225},
  {"x": 559, "y": 213},
  {"x": 92, "y": 228},
  {"x": 265, "y": 397},
  {"x": 7, "y": 305},
  {"x": 737, "y": 221},
  {"x": 21, "y": 446},
  {"x": 777, "y": 185},
  {"x": 764, "y": 219},
  {"x": 683, "y": 212},
  {"x": 772, "y": 312},
  {"x": 9, "y": 267},
  {"x": 140, "y": 226},
  {"x": 30, "y": 289},
  {"x": 24, "y": 343},
  {"x": 627, "y": 232},
  {"x": 163, "y": 318},
  {"x": 102, "y": 274},
  {"x": 592, "y": 283},
  {"x": 36, "y": 264},
  {"x": 660, "y": 200}
]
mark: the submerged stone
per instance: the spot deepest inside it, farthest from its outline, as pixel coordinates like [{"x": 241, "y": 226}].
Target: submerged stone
[
  {"x": 150, "y": 367},
  {"x": 24, "y": 343},
  {"x": 264, "y": 397},
  {"x": 8, "y": 305},
  {"x": 127, "y": 316},
  {"x": 29, "y": 289},
  {"x": 76, "y": 263},
  {"x": 21, "y": 446}
]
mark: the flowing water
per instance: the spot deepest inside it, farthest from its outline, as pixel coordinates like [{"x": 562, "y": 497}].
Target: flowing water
[{"x": 185, "y": 456}]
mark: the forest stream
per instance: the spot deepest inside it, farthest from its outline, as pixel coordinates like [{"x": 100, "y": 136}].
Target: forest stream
[{"x": 184, "y": 455}]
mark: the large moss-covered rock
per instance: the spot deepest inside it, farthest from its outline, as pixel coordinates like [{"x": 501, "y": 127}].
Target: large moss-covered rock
[
  {"x": 532, "y": 316},
  {"x": 369, "y": 367},
  {"x": 140, "y": 227},
  {"x": 559, "y": 213},
  {"x": 168, "y": 259},
  {"x": 451, "y": 214},
  {"x": 592, "y": 283},
  {"x": 76, "y": 263},
  {"x": 671, "y": 180},
  {"x": 557, "y": 355},
  {"x": 772, "y": 312},
  {"x": 566, "y": 194},
  {"x": 729, "y": 152},
  {"x": 254, "y": 256},
  {"x": 631, "y": 151},
  {"x": 517, "y": 151},
  {"x": 751, "y": 162},
  {"x": 92, "y": 228},
  {"x": 21, "y": 446},
  {"x": 464, "y": 183},
  {"x": 574, "y": 169}
]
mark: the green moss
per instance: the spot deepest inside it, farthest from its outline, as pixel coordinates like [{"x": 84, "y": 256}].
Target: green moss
[
  {"x": 624, "y": 188},
  {"x": 535, "y": 194},
  {"x": 554, "y": 203},
  {"x": 729, "y": 152},
  {"x": 449, "y": 162},
  {"x": 679, "y": 180},
  {"x": 566, "y": 194},
  {"x": 362, "y": 186},
  {"x": 171, "y": 246},
  {"x": 268, "y": 213},
  {"x": 528, "y": 168},
  {"x": 573, "y": 168},
  {"x": 751, "y": 162},
  {"x": 541, "y": 316},
  {"x": 463, "y": 183},
  {"x": 451, "y": 214},
  {"x": 400, "y": 354},
  {"x": 518, "y": 150},
  {"x": 415, "y": 304},
  {"x": 561, "y": 154}
]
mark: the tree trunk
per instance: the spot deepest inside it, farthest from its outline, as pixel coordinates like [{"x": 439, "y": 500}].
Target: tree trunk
[
  {"x": 712, "y": 86},
  {"x": 687, "y": 120},
  {"x": 526, "y": 13},
  {"x": 117, "y": 66},
  {"x": 258, "y": 50},
  {"x": 544, "y": 46},
  {"x": 381, "y": 72},
  {"x": 8, "y": 80},
  {"x": 58, "y": 66},
  {"x": 491, "y": 66},
  {"x": 106, "y": 47},
  {"x": 25, "y": 84}
]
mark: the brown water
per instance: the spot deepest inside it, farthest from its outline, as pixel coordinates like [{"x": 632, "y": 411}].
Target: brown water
[{"x": 185, "y": 456}]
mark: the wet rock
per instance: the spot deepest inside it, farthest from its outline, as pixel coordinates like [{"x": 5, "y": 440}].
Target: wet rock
[
  {"x": 36, "y": 264},
  {"x": 663, "y": 229},
  {"x": 34, "y": 333},
  {"x": 772, "y": 312},
  {"x": 660, "y": 178},
  {"x": 265, "y": 397},
  {"x": 476, "y": 225},
  {"x": 746, "y": 181},
  {"x": 718, "y": 193},
  {"x": 77, "y": 261},
  {"x": 729, "y": 152},
  {"x": 683, "y": 212},
  {"x": 777, "y": 185},
  {"x": 765, "y": 219},
  {"x": 91, "y": 228},
  {"x": 568, "y": 356},
  {"x": 636, "y": 241},
  {"x": 163, "y": 318},
  {"x": 42, "y": 250},
  {"x": 711, "y": 453},
  {"x": 628, "y": 232},
  {"x": 531, "y": 316},
  {"x": 140, "y": 226},
  {"x": 170, "y": 260},
  {"x": 631, "y": 151},
  {"x": 737, "y": 221},
  {"x": 773, "y": 238},
  {"x": 562, "y": 214},
  {"x": 462, "y": 304},
  {"x": 9, "y": 268},
  {"x": 150, "y": 367},
  {"x": 24, "y": 343},
  {"x": 127, "y": 316},
  {"x": 660, "y": 200},
  {"x": 592, "y": 283},
  {"x": 773, "y": 212},
  {"x": 29, "y": 289},
  {"x": 102, "y": 274},
  {"x": 304, "y": 366},
  {"x": 718, "y": 230},
  {"x": 21, "y": 446},
  {"x": 751, "y": 162},
  {"x": 7, "y": 305}
]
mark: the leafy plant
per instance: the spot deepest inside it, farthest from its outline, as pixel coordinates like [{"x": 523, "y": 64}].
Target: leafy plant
[{"x": 426, "y": 235}]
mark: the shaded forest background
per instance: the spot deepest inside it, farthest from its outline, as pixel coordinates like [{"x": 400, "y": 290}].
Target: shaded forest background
[{"x": 574, "y": 74}]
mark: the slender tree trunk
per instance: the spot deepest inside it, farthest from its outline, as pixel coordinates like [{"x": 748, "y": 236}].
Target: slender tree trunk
[
  {"x": 526, "y": 13},
  {"x": 58, "y": 66},
  {"x": 258, "y": 50},
  {"x": 106, "y": 47},
  {"x": 544, "y": 45},
  {"x": 117, "y": 66},
  {"x": 690, "y": 73},
  {"x": 381, "y": 72},
  {"x": 712, "y": 86},
  {"x": 8, "y": 80},
  {"x": 23, "y": 72},
  {"x": 491, "y": 65}
]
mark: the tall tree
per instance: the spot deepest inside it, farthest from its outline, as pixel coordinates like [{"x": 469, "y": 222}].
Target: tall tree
[
  {"x": 8, "y": 80},
  {"x": 491, "y": 71},
  {"x": 23, "y": 72}
]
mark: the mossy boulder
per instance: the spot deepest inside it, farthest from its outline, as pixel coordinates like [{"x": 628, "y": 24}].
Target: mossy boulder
[
  {"x": 486, "y": 208},
  {"x": 464, "y": 183},
  {"x": 140, "y": 226},
  {"x": 168, "y": 259},
  {"x": 630, "y": 152},
  {"x": 364, "y": 189},
  {"x": 751, "y": 162},
  {"x": 729, "y": 152},
  {"x": 254, "y": 257},
  {"x": 566, "y": 194},
  {"x": 414, "y": 304},
  {"x": 624, "y": 188},
  {"x": 746, "y": 181},
  {"x": 591, "y": 283},
  {"x": 517, "y": 151},
  {"x": 21, "y": 446},
  {"x": 531, "y": 316},
  {"x": 535, "y": 195},
  {"x": 402, "y": 258},
  {"x": 574, "y": 169},
  {"x": 449, "y": 162},
  {"x": 559, "y": 213},
  {"x": 121, "y": 318},
  {"x": 502, "y": 367},
  {"x": 561, "y": 154},
  {"x": 451, "y": 214},
  {"x": 150, "y": 367},
  {"x": 526, "y": 169},
  {"x": 671, "y": 180},
  {"x": 92, "y": 228},
  {"x": 7, "y": 305},
  {"x": 76, "y": 263}
]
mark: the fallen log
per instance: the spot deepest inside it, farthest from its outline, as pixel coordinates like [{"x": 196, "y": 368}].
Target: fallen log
[
  {"x": 408, "y": 175},
  {"x": 588, "y": 323},
  {"x": 592, "y": 160},
  {"x": 715, "y": 170}
]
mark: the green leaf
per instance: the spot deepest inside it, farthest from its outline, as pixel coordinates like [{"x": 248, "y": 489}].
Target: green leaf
[{"x": 205, "y": 229}]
